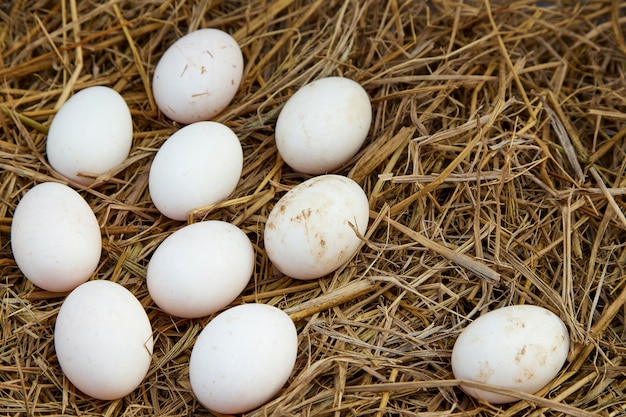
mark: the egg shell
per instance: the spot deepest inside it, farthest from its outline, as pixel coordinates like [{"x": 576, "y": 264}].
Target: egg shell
[
  {"x": 200, "y": 268},
  {"x": 91, "y": 133},
  {"x": 198, "y": 76},
  {"x": 323, "y": 125},
  {"x": 198, "y": 165},
  {"x": 242, "y": 358},
  {"x": 308, "y": 234},
  {"x": 103, "y": 340},
  {"x": 520, "y": 347},
  {"x": 55, "y": 237}
]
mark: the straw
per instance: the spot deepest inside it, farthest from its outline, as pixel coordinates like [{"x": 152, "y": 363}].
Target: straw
[{"x": 494, "y": 169}]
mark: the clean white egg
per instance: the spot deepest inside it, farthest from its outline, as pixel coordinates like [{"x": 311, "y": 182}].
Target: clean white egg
[
  {"x": 521, "y": 347},
  {"x": 198, "y": 76},
  {"x": 55, "y": 237},
  {"x": 323, "y": 125},
  {"x": 197, "y": 166},
  {"x": 91, "y": 133},
  {"x": 308, "y": 233},
  {"x": 242, "y": 358},
  {"x": 200, "y": 268},
  {"x": 103, "y": 340}
]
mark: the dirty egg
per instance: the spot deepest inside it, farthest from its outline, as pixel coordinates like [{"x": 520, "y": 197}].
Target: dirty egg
[
  {"x": 323, "y": 125},
  {"x": 519, "y": 347},
  {"x": 198, "y": 76},
  {"x": 309, "y": 233}
]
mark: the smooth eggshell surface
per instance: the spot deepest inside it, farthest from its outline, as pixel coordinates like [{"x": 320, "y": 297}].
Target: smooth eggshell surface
[
  {"x": 103, "y": 340},
  {"x": 323, "y": 125},
  {"x": 198, "y": 76},
  {"x": 90, "y": 134},
  {"x": 308, "y": 233},
  {"x": 519, "y": 347},
  {"x": 198, "y": 165},
  {"x": 55, "y": 237},
  {"x": 242, "y": 358},
  {"x": 200, "y": 268}
]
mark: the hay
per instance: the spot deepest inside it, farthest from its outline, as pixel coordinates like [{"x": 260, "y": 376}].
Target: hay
[{"x": 497, "y": 147}]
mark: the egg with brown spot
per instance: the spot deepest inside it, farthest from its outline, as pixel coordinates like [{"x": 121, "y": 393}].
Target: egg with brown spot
[
  {"x": 521, "y": 347},
  {"x": 309, "y": 233},
  {"x": 198, "y": 76}
]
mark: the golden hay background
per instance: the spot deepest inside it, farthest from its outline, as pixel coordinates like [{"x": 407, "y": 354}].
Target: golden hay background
[{"x": 498, "y": 133}]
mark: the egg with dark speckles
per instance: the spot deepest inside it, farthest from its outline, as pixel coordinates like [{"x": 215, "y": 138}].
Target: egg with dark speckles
[
  {"x": 520, "y": 347},
  {"x": 198, "y": 76},
  {"x": 312, "y": 229}
]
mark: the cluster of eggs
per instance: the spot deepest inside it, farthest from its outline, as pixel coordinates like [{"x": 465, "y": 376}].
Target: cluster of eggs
[{"x": 242, "y": 358}]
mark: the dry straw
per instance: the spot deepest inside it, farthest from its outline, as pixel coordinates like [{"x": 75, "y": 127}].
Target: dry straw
[{"x": 494, "y": 167}]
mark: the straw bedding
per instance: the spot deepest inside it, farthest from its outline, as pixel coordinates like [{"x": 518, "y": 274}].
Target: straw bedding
[{"x": 494, "y": 168}]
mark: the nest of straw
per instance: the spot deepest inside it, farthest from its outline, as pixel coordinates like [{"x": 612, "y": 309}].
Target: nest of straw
[{"x": 494, "y": 167}]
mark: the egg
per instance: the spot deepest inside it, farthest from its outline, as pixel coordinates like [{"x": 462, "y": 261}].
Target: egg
[
  {"x": 323, "y": 125},
  {"x": 200, "y": 268},
  {"x": 91, "y": 133},
  {"x": 520, "y": 347},
  {"x": 308, "y": 232},
  {"x": 198, "y": 165},
  {"x": 198, "y": 76},
  {"x": 55, "y": 237},
  {"x": 103, "y": 340},
  {"x": 242, "y": 358}
]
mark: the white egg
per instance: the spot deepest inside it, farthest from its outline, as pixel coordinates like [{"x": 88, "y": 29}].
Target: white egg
[
  {"x": 521, "y": 347},
  {"x": 200, "y": 269},
  {"x": 242, "y": 358},
  {"x": 323, "y": 125},
  {"x": 90, "y": 134},
  {"x": 308, "y": 233},
  {"x": 198, "y": 165},
  {"x": 55, "y": 237},
  {"x": 103, "y": 340},
  {"x": 198, "y": 76}
]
